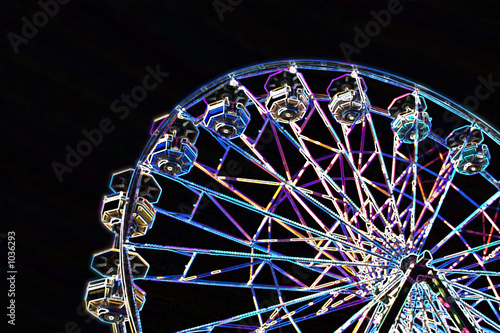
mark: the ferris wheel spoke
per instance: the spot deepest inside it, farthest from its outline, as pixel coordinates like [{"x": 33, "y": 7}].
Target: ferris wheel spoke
[
  {"x": 469, "y": 272},
  {"x": 414, "y": 184},
  {"x": 253, "y": 245},
  {"x": 323, "y": 175},
  {"x": 288, "y": 316},
  {"x": 280, "y": 149},
  {"x": 295, "y": 197},
  {"x": 275, "y": 321},
  {"x": 271, "y": 253},
  {"x": 327, "y": 307},
  {"x": 279, "y": 219},
  {"x": 459, "y": 227},
  {"x": 394, "y": 158},
  {"x": 222, "y": 181},
  {"x": 340, "y": 211},
  {"x": 426, "y": 228},
  {"x": 361, "y": 182},
  {"x": 188, "y": 219},
  {"x": 222, "y": 283},
  {"x": 241, "y": 195},
  {"x": 361, "y": 190},
  {"x": 297, "y": 211},
  {"x": 201, "y": 279},
  {"x": 366, "y": 237},
  {"x": 319, "y": 296},
  {"x": 463, "y": 253},
  {"x": 257, "y": 159},
  {"x": 482, "y": 316},
  {"x": 479, "y": 294},
  {"x": 388, "y": 182},
  {"x": 187, "y": 250},
  {"x": 329, "y": 304}
]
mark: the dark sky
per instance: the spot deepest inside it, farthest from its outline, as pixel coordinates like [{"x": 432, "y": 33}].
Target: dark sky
[{"x": 62, "y": 79}]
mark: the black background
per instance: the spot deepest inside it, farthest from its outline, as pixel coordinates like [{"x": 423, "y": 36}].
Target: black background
[{"x": 65, "y": 78}]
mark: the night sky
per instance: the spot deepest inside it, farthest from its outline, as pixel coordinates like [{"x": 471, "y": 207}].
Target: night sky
[{"x": 64, "y": 78}]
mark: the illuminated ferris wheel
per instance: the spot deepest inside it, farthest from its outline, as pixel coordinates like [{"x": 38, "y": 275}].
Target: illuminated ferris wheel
[{"x": 326, "y": 192}]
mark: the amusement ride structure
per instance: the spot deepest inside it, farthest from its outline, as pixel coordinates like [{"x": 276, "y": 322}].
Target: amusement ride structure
[{"x": 325, "y": 192}]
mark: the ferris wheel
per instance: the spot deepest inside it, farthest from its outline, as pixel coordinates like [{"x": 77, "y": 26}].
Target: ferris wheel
[{"x": 325, "y": 192}]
